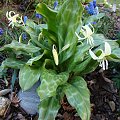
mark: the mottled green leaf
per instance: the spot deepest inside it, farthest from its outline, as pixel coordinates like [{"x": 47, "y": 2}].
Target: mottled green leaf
[
  {"x": 32, "y": 32},
  {"x": 78, "y": 56},
  {"x": 99, "y": 40},
  {"x": 116, "y": 52},
  {"x": 50, "y": 16},
  {"x": 50, "y": 80},
  {"x": 16, "y": 46},
  {"x": 68, "y": 18},
  {"x": 31, "y": 24},
  {"x": 82, "y": 66},
  {"x": 93, "y": 18},
  {"x": 78, "y": 96},
  {"x": 32, "y": 60},
  {"x": 32, "y": 29},
  {"x": 48, "y": 108},
  {"x": 49, "y": 35},
  {"x": 28, "y": 76},
  {"x": 12, "y": 63},
  {"x": 91, "y": 66}
]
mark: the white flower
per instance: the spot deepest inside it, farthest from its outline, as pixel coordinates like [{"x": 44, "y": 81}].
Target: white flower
[
  {"x": 13, "y": 18},
  {"x": 87, "y": 32},
  {"x": 102, "y": 58},
  {"x": 55, "y": 54}
]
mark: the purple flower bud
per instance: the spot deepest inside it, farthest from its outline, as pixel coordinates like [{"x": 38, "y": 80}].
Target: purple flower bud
[
  {"x": 25, "y": 19},
  {"x": 1, "y": 31},
  {"x": 37, "y": 15},
  {"x": 24, "y": 36},
  {"x": 93, "y": 23},
  {"x": 55, "y": 4},
  {"x": 86, "y": 7}
]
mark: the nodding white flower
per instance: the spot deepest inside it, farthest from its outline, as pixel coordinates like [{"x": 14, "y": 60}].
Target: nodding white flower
[
  {"x": 86, "y": 31},
  {"x": 102, "y": 58},
  {"x": 13, "y": 18},
  {"x": 55, "y": 54}
]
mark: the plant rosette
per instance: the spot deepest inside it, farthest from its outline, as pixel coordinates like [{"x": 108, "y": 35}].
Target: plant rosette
[{"x": 59, "y": 57}]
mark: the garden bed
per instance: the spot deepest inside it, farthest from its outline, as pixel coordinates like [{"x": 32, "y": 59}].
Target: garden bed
[{"x": 104, "y": 86}]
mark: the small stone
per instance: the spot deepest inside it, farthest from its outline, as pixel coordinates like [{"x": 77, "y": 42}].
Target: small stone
[
  {"x": 29, "y": 100},
  {"x": 4, "y": 105},
  {"x": 112, "y": 105}
]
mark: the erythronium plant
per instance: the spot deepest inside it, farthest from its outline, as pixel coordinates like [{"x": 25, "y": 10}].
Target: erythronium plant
[{"x": 54, "y": 55}]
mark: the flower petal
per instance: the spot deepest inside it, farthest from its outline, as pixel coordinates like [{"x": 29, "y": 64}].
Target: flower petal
[
  {"x": 106, "y": 63},
  {"x": 107, "y": 49},
  {"x": 79, "y": 38},
  {"x": 103, "y": 65},
  {"x": 93, "y": 55}
]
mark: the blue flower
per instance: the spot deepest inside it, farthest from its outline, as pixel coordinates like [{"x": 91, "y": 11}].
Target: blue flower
[
  {"x": 94, "y": 3},
  {"x": 24, "y": 36},
  {"x": 55, "y": 4},
  {"x": 37, "y": 15},
  {"x": 25, "y": 19},
  {"x": 92, "y": 8},
  {"x": 93, "y": 23},
  {"x": 1, "y": 31}
]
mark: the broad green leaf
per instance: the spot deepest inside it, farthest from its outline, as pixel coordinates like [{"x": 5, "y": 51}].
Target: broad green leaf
[
  {"x": 49, "y": 35},
  {"x": 99, "y": 40},
  {"x": 116, "y": 52},
  {"x": 68, "y": 19},
  {"x": 82, "y": 66},
  {"x": 16, "y": 46},
  {"x": 48, "y": 108},
  {"x": 32, "y": 32},
  {"x": 49, "y": 83},
  {"x": 93, "y": 18},
  {"x": 78, "y": 96},
  {"x": 12, "y": 63},
  {"x": 78, "y": 56},
  {"x": 118, "y": 41},
  {"x": 50, "y": 16},
  {"x": 32, "y": 60},
  {"x": 32, "y": 28},
  {"x": 28, "y": 76},
  {"x": 91, "y": 66},
  {"x": 32, "y": 25}
]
